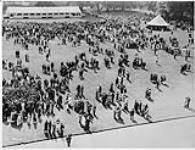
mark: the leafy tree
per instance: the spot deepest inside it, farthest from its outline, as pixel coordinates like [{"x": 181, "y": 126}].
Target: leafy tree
[{"x": 181, "y": 10}]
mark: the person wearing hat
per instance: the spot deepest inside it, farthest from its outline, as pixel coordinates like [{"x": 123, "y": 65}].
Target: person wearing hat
[
  {"x": 29, "y": 120},
  {"x": 125, "y": 105},
  {"x": 148, "y": 94},
  {"x": 52, "y": 66},
  {"x": 46, "y": 125},
  {"x": 187, "y": 102},
  {"x": 19, "y": 119},
  {"x": 128, "y": 77},
  {"x": 158, "y": 84},
  {"x": 49, "y": 128},
  {"x": 27, "y": 58},
  {"x": 53, "y": 135},
  {"x": 132, "y": 112},
  {"x": 4, "y": 65},
  {"x": 35, "y": 120},
  {"x": 19, "y": 62},
  {"x": 82, "y": 92},
  {"x": 62, "y": 130},
  {"x": 94, "y": 111},
  {"x": 68, "y": 139},
  {"x": 17, "y": 54},
  {"x": 58, "y": 127}
]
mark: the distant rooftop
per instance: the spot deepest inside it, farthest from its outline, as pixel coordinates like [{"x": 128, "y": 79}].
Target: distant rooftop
[{"x": 72, "y": 9}]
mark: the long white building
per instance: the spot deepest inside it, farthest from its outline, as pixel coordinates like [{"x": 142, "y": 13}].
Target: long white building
[{"x": 43, "y": 12}]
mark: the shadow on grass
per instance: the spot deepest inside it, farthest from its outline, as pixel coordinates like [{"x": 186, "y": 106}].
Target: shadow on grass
[
  {"x": 185, "y": 74},
  {"x": 134, "y": 121},
  {"x": 103, "y": 130},
  {"x": 159, "y": 90},
  {"x": 150, "y": 99},
  {"x": 15, "y": 126},
  {"x": 165, "y": 84},
  {"x": 148, "y": 119},
  {"x": 120, "y": 120},
  {"x": 145, "y": 69},
  {"x": 191, "y": 109}
]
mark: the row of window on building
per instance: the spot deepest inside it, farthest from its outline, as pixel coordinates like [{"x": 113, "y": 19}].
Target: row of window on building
[{"x": 44, "y": 14}]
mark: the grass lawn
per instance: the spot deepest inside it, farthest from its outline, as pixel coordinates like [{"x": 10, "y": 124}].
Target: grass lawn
[{"x": 168, "y": 103}]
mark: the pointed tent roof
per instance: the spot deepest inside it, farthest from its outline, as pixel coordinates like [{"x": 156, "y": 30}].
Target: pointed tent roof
[{"x": 157, "y": 21}]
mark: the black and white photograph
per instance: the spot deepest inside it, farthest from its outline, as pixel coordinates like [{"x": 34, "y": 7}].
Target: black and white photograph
[{"x": 98, "y": 74}]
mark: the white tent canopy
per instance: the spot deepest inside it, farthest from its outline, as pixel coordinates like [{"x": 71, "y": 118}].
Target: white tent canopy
[{"x": 157, "y": 21}]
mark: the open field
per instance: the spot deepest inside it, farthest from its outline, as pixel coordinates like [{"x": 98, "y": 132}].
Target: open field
[
  {"x": 167, "y": 104},
  {"x": 171, "y": 134}
]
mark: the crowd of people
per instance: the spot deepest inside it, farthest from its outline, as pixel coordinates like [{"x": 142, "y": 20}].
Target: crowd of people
[{"x": 28, "y": 98}]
